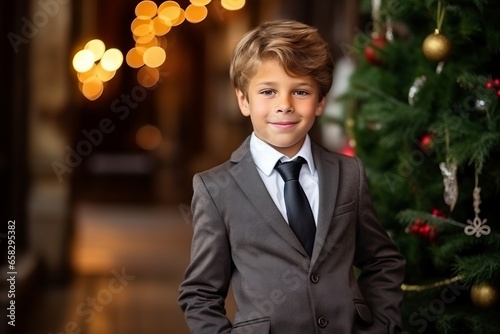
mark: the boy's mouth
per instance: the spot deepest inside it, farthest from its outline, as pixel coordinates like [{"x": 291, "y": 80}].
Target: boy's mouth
[{"x": 284, "y": 125}]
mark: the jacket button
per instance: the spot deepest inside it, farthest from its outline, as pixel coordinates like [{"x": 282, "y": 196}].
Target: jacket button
[
  {"x": 314, "y": 278},
  {"x": 322, "y": 322}
]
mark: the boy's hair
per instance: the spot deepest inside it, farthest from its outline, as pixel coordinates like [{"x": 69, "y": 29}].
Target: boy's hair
[{"x": 298, "y": 48}]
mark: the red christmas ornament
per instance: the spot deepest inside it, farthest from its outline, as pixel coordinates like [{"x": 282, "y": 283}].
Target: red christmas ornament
[
  {"x": 424, "y": 230},
  {"x": 494, "y": 84},
  {"x": 371, "y": 51},
  {"x": 438, "y": 213},
  {"x": 426, "y": 142},
  {"x": 348, "y": 150}
]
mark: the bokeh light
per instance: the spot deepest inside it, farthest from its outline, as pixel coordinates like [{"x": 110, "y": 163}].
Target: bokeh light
[
  {"x": 233, "y": 4},
  {"x": 103, "y": 74},
  {"x": 141, "y": 27},
  {"x": 152, "y": 23},
  {"x": 97, "y": 47},
  {"x": 83, "y": 61},
  {"x": 180, "y": 19},
  {"x": 112, "y": 60},
  {"x": 146, "y": 10},
  {"x": 92, "y": 89},
  {"x": 152, "y": 42},
  {"x": 145, "y": 39},
  {"x": 200, "y": 2},
  {"x": 148, "y": 137},
  {"x": 154, "y": 56},
  {"x": 169, "y": 10},
  {"x": 148, "y": 77},
  {"x": 195, "y": 13},
  {"x": 134, "y": 58},
  {"x": 161, "y": 26},
  {"x": 82, "y": 77}
]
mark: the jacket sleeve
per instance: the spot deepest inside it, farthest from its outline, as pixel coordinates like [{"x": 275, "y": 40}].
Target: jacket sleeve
[
  {"x": 206, "y": 282},
  {"x": 380, "y": 262}
]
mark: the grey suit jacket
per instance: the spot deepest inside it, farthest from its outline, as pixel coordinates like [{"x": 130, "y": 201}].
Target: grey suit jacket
[{"x": 241, "y": 238}]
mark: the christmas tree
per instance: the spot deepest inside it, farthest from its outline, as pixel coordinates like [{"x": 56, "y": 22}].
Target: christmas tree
[{"x": 423, "y": 110}]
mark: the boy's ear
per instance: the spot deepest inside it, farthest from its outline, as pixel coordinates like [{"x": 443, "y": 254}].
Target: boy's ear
[
  {"x": 242, "y": 102},
  {"x": 320, "y": 108}
]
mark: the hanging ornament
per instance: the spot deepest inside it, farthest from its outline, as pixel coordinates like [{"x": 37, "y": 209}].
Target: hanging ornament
[
  {"x": 372, "y": 50},
  {"x": 415, "y": 88},
  {"x": 378, "y": 40},
  {"x": 477, "y": 226},
  {"x": 484, "y": 295},
  {"x": 436, "y": 46},
  {"x": 449, "y": 171}
]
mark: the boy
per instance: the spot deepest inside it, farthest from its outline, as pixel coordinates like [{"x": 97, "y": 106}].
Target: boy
[{"x": 288, "y": 279}]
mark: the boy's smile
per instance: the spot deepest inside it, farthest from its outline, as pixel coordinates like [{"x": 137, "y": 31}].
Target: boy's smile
[{"x": 282, "y": 108}]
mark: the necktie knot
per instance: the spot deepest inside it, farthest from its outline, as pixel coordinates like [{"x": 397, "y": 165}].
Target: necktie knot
[{"x": 290, "y": 170}]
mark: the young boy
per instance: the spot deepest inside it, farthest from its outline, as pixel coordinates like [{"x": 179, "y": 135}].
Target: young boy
[{"x": 288, "y": 279}]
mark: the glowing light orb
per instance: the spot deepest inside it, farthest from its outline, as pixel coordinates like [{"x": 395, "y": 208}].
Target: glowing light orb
[
  {"x": 146, "y": 39},
  {"x": 140, "y": 27},
  {"x": 134, "y": 58},
  {"x": 180, "y": 19},
  {"x": 145, "y": 10},
  {"x": 97, "y": 47},
  {"x": 112, "y": 60},
  {"x": 92, "y": 89},
  {"x": 154, "y": 56},
  {"x": 102, "y": 74},
  {"x": 195, "y": 13},
  {"x": 82, "y": 77},
  {"x": 83, "y": 61},
  {"x": 200, "y": 2},
  {"x": 148, "y": 137},
  {"x": 161, "y": 26},
  {"x": 151, "y": 43},
  {"x": 148, "y": 77},
  {"x": 169, "y": 10},
  {"x": 232, "y": 4}
]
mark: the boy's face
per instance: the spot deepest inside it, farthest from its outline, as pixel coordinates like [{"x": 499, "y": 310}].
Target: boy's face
[{"x": 282, "y": 108}]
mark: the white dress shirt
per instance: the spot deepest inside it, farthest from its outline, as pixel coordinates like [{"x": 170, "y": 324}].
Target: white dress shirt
[{"x": 266, "y": 157}]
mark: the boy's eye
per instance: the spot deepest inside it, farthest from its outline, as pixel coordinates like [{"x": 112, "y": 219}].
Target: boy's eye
[
  {"x": 267, "y": 92},
  {"x": 301, "y": 92}
]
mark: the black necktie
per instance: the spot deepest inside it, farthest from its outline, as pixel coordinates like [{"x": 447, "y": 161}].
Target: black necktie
[{"x": 298, "y": 210}]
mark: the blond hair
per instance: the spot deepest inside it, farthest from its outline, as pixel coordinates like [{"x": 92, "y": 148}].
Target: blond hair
[{"x": 297, "y": 47}]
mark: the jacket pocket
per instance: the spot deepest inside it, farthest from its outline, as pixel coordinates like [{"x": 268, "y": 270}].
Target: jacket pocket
[
  {"x": 363, "y": 312},
  {"x": 365, "y": 324},
  {"x": 254, "y": 326},
  {"x": 343, "y": 208}
]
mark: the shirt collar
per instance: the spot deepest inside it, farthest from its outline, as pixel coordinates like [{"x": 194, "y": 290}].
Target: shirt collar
[{"x": 266, "y": 157}]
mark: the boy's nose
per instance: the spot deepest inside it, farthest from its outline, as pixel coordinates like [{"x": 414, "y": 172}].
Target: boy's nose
[{"x": 284, "y": 105}]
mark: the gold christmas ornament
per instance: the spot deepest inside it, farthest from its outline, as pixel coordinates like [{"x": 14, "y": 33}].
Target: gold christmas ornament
[
  {"x": 436, "y": 47},
  {"x": 483, "y": 295}
]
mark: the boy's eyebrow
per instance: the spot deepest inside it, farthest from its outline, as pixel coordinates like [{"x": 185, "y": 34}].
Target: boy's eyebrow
[{"x": 270, "y": 83}]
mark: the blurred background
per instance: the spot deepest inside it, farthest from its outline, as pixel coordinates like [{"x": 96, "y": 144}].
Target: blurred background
[{"x": 97, "y": 189}]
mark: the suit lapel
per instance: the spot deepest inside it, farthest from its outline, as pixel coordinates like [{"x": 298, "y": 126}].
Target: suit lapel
[
  {"x": 251, "y": 184},
  {"x": 328, "y": 169}
]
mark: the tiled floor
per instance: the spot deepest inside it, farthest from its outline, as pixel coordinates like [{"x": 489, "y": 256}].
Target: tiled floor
[{"x": 129, "y": 263}]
